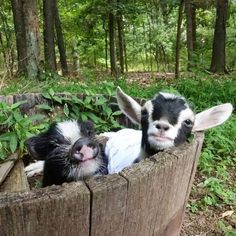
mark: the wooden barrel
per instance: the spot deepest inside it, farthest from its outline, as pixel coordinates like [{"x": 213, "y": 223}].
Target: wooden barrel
[{"x": 146, "y": 199}]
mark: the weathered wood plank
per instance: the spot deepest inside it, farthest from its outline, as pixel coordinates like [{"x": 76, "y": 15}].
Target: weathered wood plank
[
  {"x": 157, "y": 191},
  {"x": 56, "y": 210},
  {"x": 16, "y": 180},
  {"x": 179, "y": 185},
  {"x": 197, "y": 142},
  {"x": 108, "y": 205},
  {"x": 138, "y": 198},
  {"x": 5, "y": 167}
]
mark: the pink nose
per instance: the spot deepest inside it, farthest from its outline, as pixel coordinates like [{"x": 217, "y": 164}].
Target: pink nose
[{"x": 87, "y": 152}]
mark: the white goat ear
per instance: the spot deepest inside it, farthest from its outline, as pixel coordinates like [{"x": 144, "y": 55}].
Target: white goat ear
[
  {"x": 212, "y": 117},
  {"x": 128, "y": 106}
]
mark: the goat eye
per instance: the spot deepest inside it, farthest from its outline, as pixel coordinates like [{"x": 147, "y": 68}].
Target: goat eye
[
  {"x": 188, "y": 122},
  {"x": 144, "y": 113}
]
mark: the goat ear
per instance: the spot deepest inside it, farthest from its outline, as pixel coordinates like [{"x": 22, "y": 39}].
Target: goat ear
[
  {"x": 128, "y": 106},
  {"x": 212, "y": 117}
]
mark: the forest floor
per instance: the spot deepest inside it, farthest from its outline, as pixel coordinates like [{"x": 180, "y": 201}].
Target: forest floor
[{"x": 207, "y": 222}]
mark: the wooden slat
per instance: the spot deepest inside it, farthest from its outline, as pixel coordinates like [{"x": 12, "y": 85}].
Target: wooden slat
[
  {"x": 16, "y": 180},
  {"x": 157, "y": 192},
  {"x": 108, "y": 205},
  {"x": 5, "y": 167},
  {"x": 56, "y": 210}
]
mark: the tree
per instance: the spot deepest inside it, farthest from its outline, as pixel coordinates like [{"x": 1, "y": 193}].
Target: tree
[
  {"x": 190, "y": 11},
  {"x": 218, "y": 51},
  {"x": 111, "y": 27},
  {"x": 49, "y": 9},
  {"x": 6, "y": 47},
  {"x": 120, "y": 27},
  {"x": 60, "y": 42},
  {"x": 18, "y": 17},
  {"x": 32, "y": 37},
  {"x": 178, "y": 36}
]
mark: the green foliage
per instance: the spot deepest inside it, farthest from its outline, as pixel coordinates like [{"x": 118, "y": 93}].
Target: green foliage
[
  {"x": 217, "y": 159},
  {"x": 94, "y": 108},
  {"x": 15, "y": 128},
  {"x": 226, "y": 229}
]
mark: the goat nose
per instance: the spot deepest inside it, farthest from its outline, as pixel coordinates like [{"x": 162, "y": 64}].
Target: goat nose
[{"x": 161, "y": 126}]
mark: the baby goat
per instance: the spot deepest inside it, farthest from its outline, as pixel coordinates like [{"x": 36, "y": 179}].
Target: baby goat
[
  {"x": 68, "y": 152},
  {"x": 166, "y": 120}
]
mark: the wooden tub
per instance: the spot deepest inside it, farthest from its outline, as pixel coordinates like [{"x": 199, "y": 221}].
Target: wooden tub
[{"x": 146, "y": 199}]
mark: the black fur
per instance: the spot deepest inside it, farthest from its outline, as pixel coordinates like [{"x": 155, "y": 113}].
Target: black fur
[{"x": 167, "y": 107}]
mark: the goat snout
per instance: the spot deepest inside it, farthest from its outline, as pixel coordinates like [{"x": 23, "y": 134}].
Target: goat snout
[{"x": 162, "y": 126}]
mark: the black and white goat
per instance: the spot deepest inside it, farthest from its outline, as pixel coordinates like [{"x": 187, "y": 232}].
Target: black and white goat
[
  {"x": 68, "y": 151},
  {"x": 166, "y": 121}
]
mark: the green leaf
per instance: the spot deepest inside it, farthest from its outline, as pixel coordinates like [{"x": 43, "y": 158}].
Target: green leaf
[
  {"x": 100, "y": 101},
  {"x": 57, "y": 99},
  {"x": 17, "y": 104},
  {"x": 46, "y": 95},
  {"x": 37, "y": 117},
  {"x": 13, "y": 143},
  {"x": 6, "y": 136},
  {"x": 51, "y": 92},
  {"x": 8, "y": 121},
  {"x": 66, "y": 110},
  {"x": 93, "y": 117},
  {"x": 18, "y": 117},
  {"x": 45, "y": 107},
  {"x": 84, "y": 117},
  {"x": 117, "y": 113}
]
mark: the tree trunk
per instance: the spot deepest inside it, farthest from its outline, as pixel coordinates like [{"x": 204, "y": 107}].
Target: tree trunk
[
  {"x": 60, "y": 42},
  {"x": 48, "y": 33},
  {"x": 120, "y": 26},
  {"x": 218, "y": 52},
  {"x": 125, "y": 56},
  {"x": 106, "y": 43},
  {"x": 112, "y": 40},
  {"x": 164, "y": 11},
  {"x": 75, "y": 57},
  {"x": 190, "y": 11},
  {"x": 17, "y": 9},
  {"x": 32, "y": 37},
  {"x": 178, "y": 38}
]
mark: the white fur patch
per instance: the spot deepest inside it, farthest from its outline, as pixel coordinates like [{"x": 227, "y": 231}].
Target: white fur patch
[
  {"x": 34, "y": 168},
  {"x": 149, "y": 107},
  {"x": 70, "y": 130},
  {"x": 84, "y": 169},
  {"x": 186, "y": 114},
  {"x": 122, "y": 149},
  {"x": 170, "y": 96}
]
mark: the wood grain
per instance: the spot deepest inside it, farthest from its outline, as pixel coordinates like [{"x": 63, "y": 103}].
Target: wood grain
[
  {"x": 108, "y": 203},
  {"x": 56, "y": 210},
  {"x": 6, "y": 166},
  {"x": 16, "y": 180}
]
